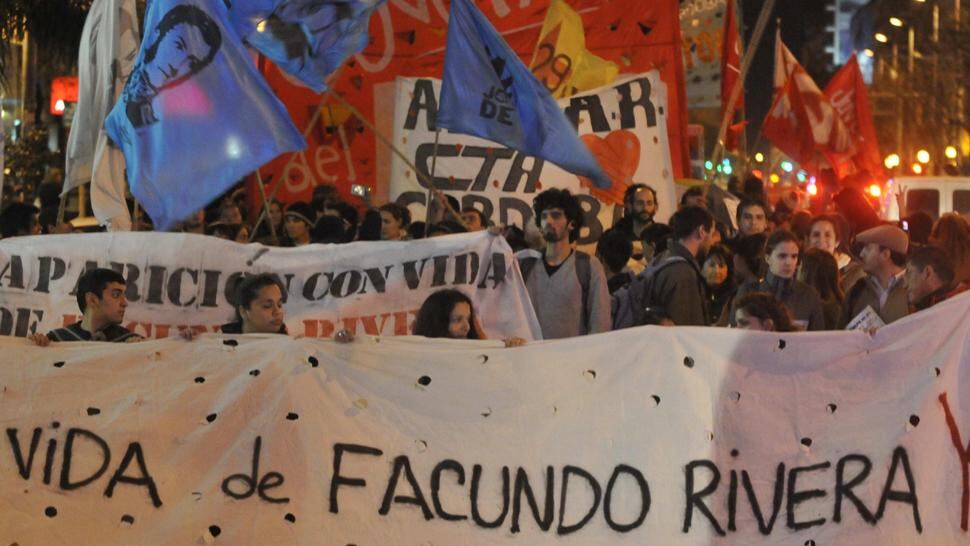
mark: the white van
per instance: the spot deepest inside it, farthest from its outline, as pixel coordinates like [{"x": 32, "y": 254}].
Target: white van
[{"x": 935, "y": 195}]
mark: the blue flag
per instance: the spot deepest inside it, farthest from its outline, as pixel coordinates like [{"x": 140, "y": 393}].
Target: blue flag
[
  {"x": 486, "y": 91},
  {"x": 311, "y": 38},
  {"x": 195, "y": 115}
]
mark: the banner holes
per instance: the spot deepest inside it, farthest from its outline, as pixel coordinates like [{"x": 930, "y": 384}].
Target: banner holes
[
  {"x": 421, "y": 445},
  {"x": 254, "y": 373},
  {"x": 93, "y": 411},
  {"x": 56, "y": 424},
  {"x": 735, "y": 452},
  {"x": 484, "y": 359},
  {"x": 211, "y": 417},
  {"x": 555, "y": 410},
  {"x": 361, "y": 403},
  {"x": 290, "y": 517},
  {"x": 613, "y": 26},
  {"x": 61, "y": 365},
  {"x": 292, "y": 416},
  {"x": 736, "y": 396},
  {"x": 424, "y": 381},
  {"x": 831, "y": 408},
  {"x": 486, "y": 413},
  {"x": 937, "y": 370},
  {"x": 313, "y": 361},
  {"x": 710, "y": 436},
  {"x": 914, "y": 420},
  {"x": 807, "y": 442},
  {"x": 782, "y": 344},
  {"x": 230, "y": 342},
  {"x": 129, "y": 519},
  {"x": 689, "y": 362},
  {"x": 200, "y": 380},
  {"x": 590, "y": 374},
  {"x": 809, "y": 542},
  {"x": 656, "y": 399},
  {"x": 214, "y": 530},
  {"x": 50, "y": 511},
  {"x": 197, "y": 495}
]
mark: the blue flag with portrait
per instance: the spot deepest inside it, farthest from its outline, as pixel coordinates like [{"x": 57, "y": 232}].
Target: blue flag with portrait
[
  {"x": 195, "y": 116},
  {"x": 488, "y": 92},
  {"x": 311, "y": 38}
]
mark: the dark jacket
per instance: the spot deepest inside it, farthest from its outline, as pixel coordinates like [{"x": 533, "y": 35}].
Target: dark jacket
[
  {"x": 680, "y": 289},
  {"x": 863, "y": 294},
  {"x": 801, "y": 299},
  {"x": 113, "y": 333}
]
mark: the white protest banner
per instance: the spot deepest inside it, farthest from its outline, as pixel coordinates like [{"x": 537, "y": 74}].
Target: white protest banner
[
  {"x": 624, "y": 125},
  {"x": 673, "y": 436},
  {"x": 182, "y": 280},
  {"x": 702, "y": 32}
]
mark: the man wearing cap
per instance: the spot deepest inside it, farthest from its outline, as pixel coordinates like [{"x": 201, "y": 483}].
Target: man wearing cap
[
  {"x": 884, "y": 286},
  {"x": 299, "y": 220},
  {"x": 930, "y": 277}
]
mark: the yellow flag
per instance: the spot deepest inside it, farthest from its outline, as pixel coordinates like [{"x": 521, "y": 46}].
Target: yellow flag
[{"x": 561, "y": 61}]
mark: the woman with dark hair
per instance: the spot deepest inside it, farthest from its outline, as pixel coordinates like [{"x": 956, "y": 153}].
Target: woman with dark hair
[
  {"x": 450, "y": 314},
  {"x": 781, "y": 253},
  {"x": 749, "y": 258},
  {"x": 718, "y": 272},
  {"x": 259, "y": 306},
  {"x": 952, "y": 233},
  {"x": 820, "y": 271},
  {"x": 763, "y": 312},
  {"x": 370, "y": 226},
  {"x": 395, "y": 220},
  {"x": 826, "y": 233},
  {"x": 263, "y": 234}
]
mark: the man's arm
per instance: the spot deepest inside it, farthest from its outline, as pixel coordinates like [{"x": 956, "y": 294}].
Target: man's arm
[
  {"x": 681, "y": 296},
  {"x": 40, "y": 340},
  {"x": 598, "y": 299}
]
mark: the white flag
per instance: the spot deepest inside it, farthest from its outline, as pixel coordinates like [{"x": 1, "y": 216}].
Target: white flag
[{"x": 106, "y": 55}]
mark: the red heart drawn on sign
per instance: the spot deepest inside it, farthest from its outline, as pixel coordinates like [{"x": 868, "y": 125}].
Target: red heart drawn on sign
[{"x": 619, "y": 156}]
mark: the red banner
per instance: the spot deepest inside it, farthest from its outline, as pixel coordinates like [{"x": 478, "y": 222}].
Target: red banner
[{"x": 408, "y": 39}]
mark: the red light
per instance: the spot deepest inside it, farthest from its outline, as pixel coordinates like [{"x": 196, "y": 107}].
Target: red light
[{"x": 874, "y": 190}]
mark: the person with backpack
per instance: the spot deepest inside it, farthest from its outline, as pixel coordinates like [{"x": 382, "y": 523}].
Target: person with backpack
[
  {"x": 567, "y": 287},
  {"x": 673, "y": 280}
]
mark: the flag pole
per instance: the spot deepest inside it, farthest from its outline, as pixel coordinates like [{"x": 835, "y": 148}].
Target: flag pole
[
  {"x": 264, "y": 214},
  {"x": 746, "y": 61},
  {"x": 434, "y": 164},
  {"x": 387, "y": 142}
]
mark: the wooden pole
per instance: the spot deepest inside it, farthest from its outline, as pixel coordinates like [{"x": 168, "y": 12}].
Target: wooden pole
[
  {"x": 746, "y": 61},
  {"x": 434, "y": 164}
]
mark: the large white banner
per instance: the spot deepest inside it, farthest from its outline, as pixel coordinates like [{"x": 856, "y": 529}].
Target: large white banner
[
  {"x": 624, "y": 125},
  {"x": 673, "y": 436},
  {"x": 180, "y": 281}
]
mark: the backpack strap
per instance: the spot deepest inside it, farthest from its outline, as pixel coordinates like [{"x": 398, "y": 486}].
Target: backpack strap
[{"x": 583, "y": 274}]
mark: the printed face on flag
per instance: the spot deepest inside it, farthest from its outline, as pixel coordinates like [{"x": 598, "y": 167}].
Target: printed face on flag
[{"x": 179, "y": 119}]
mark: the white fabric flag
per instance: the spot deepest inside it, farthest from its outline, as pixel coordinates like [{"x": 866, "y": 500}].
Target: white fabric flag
[{"x": 107, "y": 52}]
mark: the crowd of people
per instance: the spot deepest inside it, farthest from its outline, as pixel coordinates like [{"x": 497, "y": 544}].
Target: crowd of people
[{"x": 782, "y": 268}]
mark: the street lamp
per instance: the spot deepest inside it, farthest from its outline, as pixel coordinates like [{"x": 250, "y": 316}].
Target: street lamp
[
  {"x": 891, "y": 161},
  {"x": 881, "y": 38},
  {"x": 923, "y": 156},
  {"x": 950, "y": 152},
  {"x": 896, "y": 22}
]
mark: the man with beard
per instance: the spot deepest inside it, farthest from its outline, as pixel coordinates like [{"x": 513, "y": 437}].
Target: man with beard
[
  {"x": 567, "y": 287},
  {"x": 639, "y": 207},
  {"x": 679, "y": 287}
]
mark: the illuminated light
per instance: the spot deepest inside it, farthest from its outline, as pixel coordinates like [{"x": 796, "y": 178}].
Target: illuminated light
[
  {"x": 774, "y": 178},
  {"x": 896, "y": 22},
  {"x": 787, "y": 166},
  {"x": 720, "y": 168},
  {"x": 758, "y": 173},
  {"x": 950, "y": 152},
  {"x": 802, "y": 176},
  {"x": 759, "y": 157},
  {"x": 811, "y": 179},
  {"x": 59, "y": 106},
  {"x": 728, "y": 169},
  {"x": 812, "y": 189},
  {"x": 874, "y": 190},
  {"x": 6, "y": 171},
  {"x": 726, "y": 161},
  {"x": 892, "y": 160},
  {"x": 923, "y": 156},
  {"x": 881, "y": 38},
  {"x": 16, "y": 122},
  {"x": 917, "y": 168},
  {"x": 708, "y": 164},
  {"x": 234, "y": 147},
  {"x": 869, "y": 53},
  {"x": 261, "y": 26}
]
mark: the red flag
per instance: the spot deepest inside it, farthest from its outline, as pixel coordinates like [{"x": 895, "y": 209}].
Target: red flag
[
  {"x": 730, "y": 58},
  {"x": 806, "y": 109},
  {"x": 847, "y": 93},
  {"x": 787, "y": 125}
]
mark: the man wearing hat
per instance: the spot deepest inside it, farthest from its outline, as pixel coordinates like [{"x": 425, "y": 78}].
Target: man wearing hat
[
  {"x": 884, "y": 286},
  {"x": 299, "y": 219}
]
